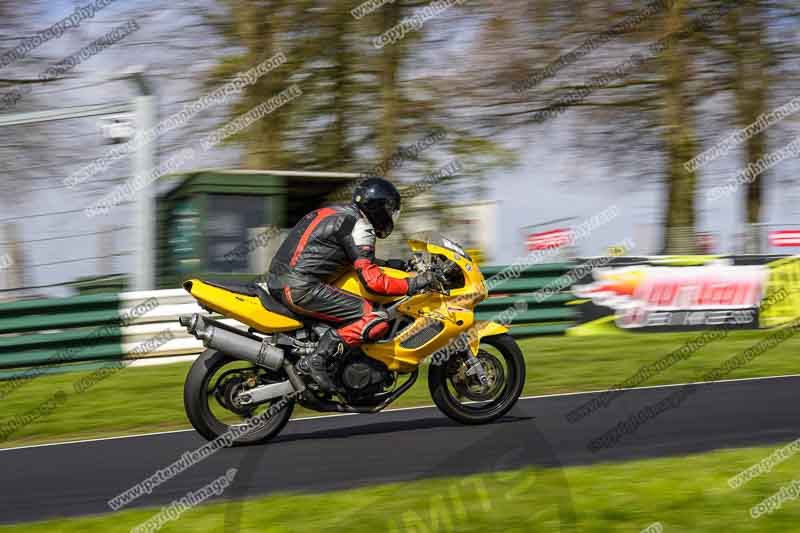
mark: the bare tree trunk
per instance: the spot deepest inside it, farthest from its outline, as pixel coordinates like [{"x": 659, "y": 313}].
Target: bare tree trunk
[
  {"x": 342, "y": 152},
  {"x": 259, "y": 28},
  {"x": 390, "y": 61},
  {"x": 752, "y": 86},
  {"x": 679, "y": 227}
]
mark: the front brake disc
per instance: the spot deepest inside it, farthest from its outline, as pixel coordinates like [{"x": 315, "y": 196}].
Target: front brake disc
[{"x": 470, "y": 387}]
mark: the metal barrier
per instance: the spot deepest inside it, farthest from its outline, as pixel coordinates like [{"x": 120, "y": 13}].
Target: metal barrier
[
  {"x": 539, "y": 288},
  {"x": 102, "y": 327}
]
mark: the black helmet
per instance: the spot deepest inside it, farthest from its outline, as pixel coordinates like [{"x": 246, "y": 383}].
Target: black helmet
[{"x": 379, "y": 200}]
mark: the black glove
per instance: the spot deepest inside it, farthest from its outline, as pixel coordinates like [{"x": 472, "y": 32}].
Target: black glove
[
  {"x": 421, "y": 282},
  {"x": 397, "y": 264}
]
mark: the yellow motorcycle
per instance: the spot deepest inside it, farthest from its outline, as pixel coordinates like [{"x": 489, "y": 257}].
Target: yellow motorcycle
[{"x": 249, "y": 379}]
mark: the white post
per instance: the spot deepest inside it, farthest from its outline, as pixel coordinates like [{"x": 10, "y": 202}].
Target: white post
[
  {"x": 143, "y": 163},
  {"x": 5, "y": 258},
  {"x": 105, "y": 250}
]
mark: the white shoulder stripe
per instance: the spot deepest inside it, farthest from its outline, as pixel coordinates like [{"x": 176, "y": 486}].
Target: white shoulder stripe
[{"x": 363, "y": 233}]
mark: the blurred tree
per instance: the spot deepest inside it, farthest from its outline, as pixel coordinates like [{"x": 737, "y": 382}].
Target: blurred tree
[
  {"x": 635, "y": 116},
  {"x": 360, "y": 103},
  {"x": 18, "y": 145},
  {"x": 260, "y": 30},
  {"x": 754, "y": 53}
]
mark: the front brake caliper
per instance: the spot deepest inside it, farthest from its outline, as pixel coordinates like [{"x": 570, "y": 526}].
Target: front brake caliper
[{"x": 475, "y": 368}]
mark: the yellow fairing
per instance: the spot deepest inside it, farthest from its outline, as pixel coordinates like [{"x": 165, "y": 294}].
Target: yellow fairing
[
  {"x": 245, "y": 309},
  {"x": 452, "y": 313},
  {"x": 484, "y": 329}
]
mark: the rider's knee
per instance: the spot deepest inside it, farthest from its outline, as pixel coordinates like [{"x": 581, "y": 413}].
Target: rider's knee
[
  {"x": 376, "y": 328},
  {"x": 371, "y": 327}
]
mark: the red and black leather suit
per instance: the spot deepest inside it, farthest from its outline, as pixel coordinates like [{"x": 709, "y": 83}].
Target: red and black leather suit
[{"x": 320, "y": 248}]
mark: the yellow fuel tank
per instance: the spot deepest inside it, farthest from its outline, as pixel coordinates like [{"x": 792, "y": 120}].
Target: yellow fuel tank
[{"x": 349, "y": 282}]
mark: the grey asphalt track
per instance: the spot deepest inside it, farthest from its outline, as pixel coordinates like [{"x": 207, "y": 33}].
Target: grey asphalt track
[{"x": 332, "y": 453}]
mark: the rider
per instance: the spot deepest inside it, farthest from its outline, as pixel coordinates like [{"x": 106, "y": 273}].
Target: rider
[{"x": 322, "y": 246}]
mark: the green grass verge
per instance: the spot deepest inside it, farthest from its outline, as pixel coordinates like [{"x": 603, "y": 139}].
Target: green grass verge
[
  {"x": 681, "y": 493},
  {"x": 150, "y": 399}
]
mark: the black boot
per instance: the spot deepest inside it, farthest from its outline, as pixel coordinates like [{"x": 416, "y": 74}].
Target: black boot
[{"x": 329, "y": 349}]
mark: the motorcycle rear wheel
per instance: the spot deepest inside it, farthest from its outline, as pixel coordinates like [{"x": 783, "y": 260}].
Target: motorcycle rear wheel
[
  {"x": 198, "y": 398},
  {"x": 473, "y": 411}
]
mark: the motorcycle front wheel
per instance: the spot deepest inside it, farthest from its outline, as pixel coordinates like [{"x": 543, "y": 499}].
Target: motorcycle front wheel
[{"x": 461, "y": 395}]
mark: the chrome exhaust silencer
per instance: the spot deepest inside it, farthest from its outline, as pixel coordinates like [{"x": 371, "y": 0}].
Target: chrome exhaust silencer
[{"x": 234, "y": 342}]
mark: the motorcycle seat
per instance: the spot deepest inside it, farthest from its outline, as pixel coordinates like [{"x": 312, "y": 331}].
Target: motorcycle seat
[
  {"x": 248, "y": 288},
  {"x": 273, "y": 305}
]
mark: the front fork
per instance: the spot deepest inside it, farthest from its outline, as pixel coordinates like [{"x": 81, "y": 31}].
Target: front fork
[{"x": 474, "y": 365}]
